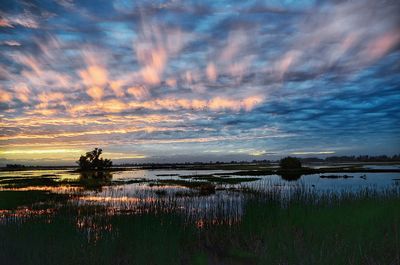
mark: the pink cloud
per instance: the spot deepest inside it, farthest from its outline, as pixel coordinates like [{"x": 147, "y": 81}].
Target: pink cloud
[
  {"x": 382, "y": 45},
  {"x": 211, "y": 72},
  {"x": 25, "y": 20},
  {"x": 51, "y": 97},
  {"x": 22, "y": 92}
]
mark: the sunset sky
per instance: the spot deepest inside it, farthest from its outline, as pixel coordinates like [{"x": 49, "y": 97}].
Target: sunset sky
[{"x": 198, "y": 80}]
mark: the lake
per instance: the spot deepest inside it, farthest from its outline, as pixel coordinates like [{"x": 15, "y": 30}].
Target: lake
[
  {"x": 138, "y": 190},
  {"x": 165, "y": 216}
]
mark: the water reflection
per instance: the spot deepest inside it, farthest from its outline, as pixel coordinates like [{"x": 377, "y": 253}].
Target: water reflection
[
  {"x": 97, "y": 175},
  {"x": 24, "y": 214},
  {"x": 95, "y": 180},
  {"x": 291, "y": 176},
  {"x": 135, "y": 193}
]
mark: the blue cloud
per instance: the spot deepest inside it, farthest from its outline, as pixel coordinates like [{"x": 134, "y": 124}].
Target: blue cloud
[{"x": 218, "y": 79}]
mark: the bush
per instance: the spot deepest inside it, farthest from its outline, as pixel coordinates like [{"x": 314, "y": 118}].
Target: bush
[
  {"x": 92, "y": 161},
  {"x": 290, "y": 163}
]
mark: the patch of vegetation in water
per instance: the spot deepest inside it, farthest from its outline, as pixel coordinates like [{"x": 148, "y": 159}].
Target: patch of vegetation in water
[
  {"x": 23, "y": 182},
  {"x": 195, "y": 176},
  {"x": 204, "y": 187},
  {"x": 130, "y": 181},
  {"x": 219, "y": 179},
  {"x": 263, "y": 172},
  {"x": 225, "y": 180},
  {"x": 10, "y": 200},
  {"x": 335, "y": 176}
]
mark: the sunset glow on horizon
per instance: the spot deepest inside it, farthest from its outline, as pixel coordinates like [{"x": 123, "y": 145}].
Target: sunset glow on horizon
[{"x": 168, "y": 81}]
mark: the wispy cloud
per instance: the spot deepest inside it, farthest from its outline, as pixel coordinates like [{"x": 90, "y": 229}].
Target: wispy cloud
[{"x": 268, "y": 78}]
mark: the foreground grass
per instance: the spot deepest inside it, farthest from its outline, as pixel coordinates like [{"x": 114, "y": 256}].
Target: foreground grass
[
  {"x": 11, "y": 200},
  {"x": 361, "y": 228},
  {"x": 357, "y": 232}
]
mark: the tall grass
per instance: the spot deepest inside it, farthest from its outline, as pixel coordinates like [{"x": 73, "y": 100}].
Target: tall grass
[{"x": 283, "y": 225}]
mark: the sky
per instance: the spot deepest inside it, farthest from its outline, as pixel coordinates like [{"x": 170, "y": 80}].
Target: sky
[{"x": 182, "y": 81}]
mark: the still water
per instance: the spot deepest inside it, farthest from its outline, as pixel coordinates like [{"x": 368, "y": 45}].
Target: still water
[{"x": 138, "y": 191}]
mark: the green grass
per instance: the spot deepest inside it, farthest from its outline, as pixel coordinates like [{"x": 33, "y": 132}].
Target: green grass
[
  {"x": 303, "y": 228},
  {"x": 23, "y": 182},
  {"x": 358, "y": 232},
  {"x": 10, "y": 200},
  {"x": 362, "y": 228}
]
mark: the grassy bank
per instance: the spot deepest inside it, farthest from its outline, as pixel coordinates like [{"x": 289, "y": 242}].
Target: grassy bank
[{"x": 362, "y": 228}]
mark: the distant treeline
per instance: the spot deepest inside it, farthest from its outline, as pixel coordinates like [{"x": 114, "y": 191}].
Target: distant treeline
[
  {"x": 20, "y": 166},
  {"x": 363, "y": 158},
  {"x": 13, "y": 166},
  {"x": 332, "y": 159}
]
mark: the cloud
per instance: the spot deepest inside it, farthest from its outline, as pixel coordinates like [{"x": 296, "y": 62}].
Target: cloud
[
  {"x": 154, "y": 47},
  {"x": 5, "y": 97},
  {"x": 51, "y": 97},
  {"x": 22, "y": 92},
  {"x": 140, "y": 93},
  {"x": 26, "y": 20},
  {"x": 11, "y": 43},
  {"x": 211, "y": 72},
  {"x": 193, "y": 78},
  {"x": 382, "y": 45},
  {"x": 346, "y": 35},
  {"x": 95, "y": 92}
]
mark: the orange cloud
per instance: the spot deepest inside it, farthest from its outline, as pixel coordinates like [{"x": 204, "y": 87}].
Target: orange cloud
[
  {"x": 95, "y": 92},
  {"x": 5, "y": 96},
  {"x": 116, "y": 86},
  {"x": 94, "y": 75},
  {"x": 219, "y": 103},
  {"x": 139, "y": 93},
  {"x": 42, "y": 111},
  {"x": 154, "y": 61},
  {"x": 216, "y": 104},
  {"x": 250, "y": 102}
]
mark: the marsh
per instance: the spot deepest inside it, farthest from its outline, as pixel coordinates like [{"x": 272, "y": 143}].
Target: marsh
[{"x": 167, "y": 216}]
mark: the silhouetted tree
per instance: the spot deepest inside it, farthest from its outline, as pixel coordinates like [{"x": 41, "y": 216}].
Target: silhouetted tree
[
  {"x": 92, "y": 161},
  {"x": 290, "y": 163}
]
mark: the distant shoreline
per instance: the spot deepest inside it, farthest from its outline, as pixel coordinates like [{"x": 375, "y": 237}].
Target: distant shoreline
[{"x": 239, "y": 168}]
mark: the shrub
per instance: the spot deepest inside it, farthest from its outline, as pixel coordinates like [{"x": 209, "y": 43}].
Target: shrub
[
  {"x": 290, "y": 163},
  {"x": 92, "y": 161}
]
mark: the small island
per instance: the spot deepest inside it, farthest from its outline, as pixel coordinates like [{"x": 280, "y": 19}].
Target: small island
[{"x": 91, "y": 161}]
